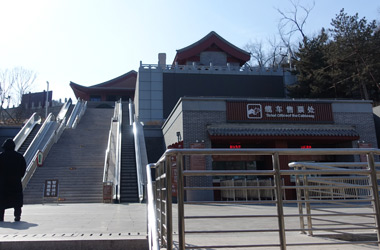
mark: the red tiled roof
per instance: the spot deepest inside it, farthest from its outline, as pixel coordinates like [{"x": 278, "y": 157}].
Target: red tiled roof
[
  {"x": 212, "y": 38},
  {"x": 126, "y": 82}
]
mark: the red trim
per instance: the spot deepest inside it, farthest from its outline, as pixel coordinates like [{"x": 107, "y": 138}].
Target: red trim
[
  {"x": 176, "y": 145},
  {"x": 238, "y": 111},
  {"x": 319, "y": 138},
  {"x": 112, "y": 87},
  {"x": 206, "y": 44}
]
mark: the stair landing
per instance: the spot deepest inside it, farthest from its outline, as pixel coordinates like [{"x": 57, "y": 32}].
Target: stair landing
[{"x": 76, "y": 226}]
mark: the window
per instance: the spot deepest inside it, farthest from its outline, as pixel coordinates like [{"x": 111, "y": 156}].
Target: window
[{"x": 95, "y": 98}]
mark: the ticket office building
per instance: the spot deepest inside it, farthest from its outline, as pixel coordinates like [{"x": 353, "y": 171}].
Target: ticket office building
[{"x": 205, "y": 122}]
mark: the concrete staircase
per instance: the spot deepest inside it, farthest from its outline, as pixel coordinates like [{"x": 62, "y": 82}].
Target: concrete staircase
[{"x": 76, "y": 161}]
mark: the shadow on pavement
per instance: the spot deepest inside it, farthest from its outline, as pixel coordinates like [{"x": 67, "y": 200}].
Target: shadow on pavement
[{"x": 20, "y": 225}]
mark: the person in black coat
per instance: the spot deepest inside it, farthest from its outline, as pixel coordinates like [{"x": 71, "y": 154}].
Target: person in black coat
[{"x": 12, "y": 169}]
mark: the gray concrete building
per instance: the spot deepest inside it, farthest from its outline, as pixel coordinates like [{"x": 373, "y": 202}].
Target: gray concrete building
[
  {"x": 208, "y": 97},
  {"x": 217, "y": 122}
]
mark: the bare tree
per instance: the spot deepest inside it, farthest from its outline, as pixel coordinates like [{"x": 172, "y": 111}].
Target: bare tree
[
  {"x": 291, "y": 22},
  {"x": 13, "y": 84},
  {"x": 23, "y": 80},
  {"x": 258, "y": 54},
  {"x": 276, "y": 52},
  {"x": 6, "y": 86},
  {"x": 261, "y": 56}
]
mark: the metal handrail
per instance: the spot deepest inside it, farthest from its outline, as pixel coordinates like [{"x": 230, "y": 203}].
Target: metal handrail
[
  {"x": 118, "y": 152},
  {"x": 61, "y": 128},
  {"x": 107, "y": 168},
  {"x": 45, "y": 149},
  {"x": 39, "y": 145},
  {"x": 141, "y": 159},
  {"x": 151, "y": 212},
  {"x": 31, "y": 150},
  {"x": 77, "y": 113},
  {"x": 140, "y": 153},
  {"x": 30, "y": 169},
  {"x": 331, "y": 186},
  {"x": 62, "y": 113},
  {"x": 107, "y": 156},
  {"x": 208, "y": 68},
  {"x": 26, "y": 129},
  {"x": 74, "y": 113},
  {"x": 163, "y": 197},
  {"x": 131, "y": 112},
  {"x": 79, "y": 116}
]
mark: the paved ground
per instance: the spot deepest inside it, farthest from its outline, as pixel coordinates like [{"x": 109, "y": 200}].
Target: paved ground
[
  {"x": 294, "y": 239},
  {"x": 73, "y": 221},
  {"x": 107, "y": 222}
]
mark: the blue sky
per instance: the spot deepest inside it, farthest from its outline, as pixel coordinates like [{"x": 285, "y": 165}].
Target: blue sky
[{"x": 92, "y": 41}]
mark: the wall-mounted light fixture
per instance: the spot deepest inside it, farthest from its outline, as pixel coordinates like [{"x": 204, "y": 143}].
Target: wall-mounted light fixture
[{"x": 179, "y": 138}]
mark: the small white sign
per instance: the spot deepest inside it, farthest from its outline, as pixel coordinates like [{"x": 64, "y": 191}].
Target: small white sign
[{"x": 254, "y": 111}]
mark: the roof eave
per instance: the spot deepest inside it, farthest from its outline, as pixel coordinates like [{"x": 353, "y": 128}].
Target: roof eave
[{"x": 206, "y": 41}]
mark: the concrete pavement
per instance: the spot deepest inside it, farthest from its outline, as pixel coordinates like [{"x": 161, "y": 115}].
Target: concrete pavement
[
  {"x": 75, "y": 226},
  {"x": 123, "y": 226},
  {"x": 331, "y": 239}
]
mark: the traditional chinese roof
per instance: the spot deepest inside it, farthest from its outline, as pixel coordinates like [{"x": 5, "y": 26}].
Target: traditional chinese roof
[
  {"x": 293, "y": 131},
  {"x": 126, "y": 82},
  {"x": 209, "y": 42}
]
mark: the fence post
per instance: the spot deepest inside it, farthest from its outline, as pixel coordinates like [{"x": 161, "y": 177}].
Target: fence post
[
  {"x": 169, "y": 221},
  {"x": 160, "y": 182},
  {"x": 280, "y": 208},
  {"x": 181, "y": 197},
  {"x": 375, "y": 192},
  {"x": 307, "y": 204},
  {"x": 299, "y": 202}
]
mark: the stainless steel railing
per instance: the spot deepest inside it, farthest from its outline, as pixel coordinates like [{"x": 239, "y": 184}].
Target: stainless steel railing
[
  {"x": 63, "y": 112},
  {"x": 140, "y": 151},
  {"x": 76, "y": 114},
  {"x": 339, "y": 190},
  {"x": 45, "y": 149},
  {"x": 181, "y": 158},
  {"x": 33, "y": 147},
  {"x": 112, "y": 154},
  {"x": 49, "y": 133},
  {"x": 151, "y": 212},
  {"x": 246, "y": 194},
  {"x": 25, "y": 130},
  {"x": 141, "y": 159},
  {"x": 119, "y": 133}
]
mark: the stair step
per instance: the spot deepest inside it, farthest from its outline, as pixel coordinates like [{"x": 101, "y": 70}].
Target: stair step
[{"x": 77, "y": 161}]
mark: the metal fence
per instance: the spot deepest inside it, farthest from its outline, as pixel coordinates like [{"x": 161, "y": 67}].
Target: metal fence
[
  {"x": 246, "y": 194},
  {"x": 321, "y": 194}
]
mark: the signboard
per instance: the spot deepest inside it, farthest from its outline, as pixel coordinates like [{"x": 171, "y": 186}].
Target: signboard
[
  {"x": 174, "y": 168},
  {"x": 197, "y": 162},
  {"x": 174, "y": 175},
  {"x": 51, "y": 188},
  {"x": 40, "y": 158},
  {"x": 279, "y": 112},
  {"x": 363, "y": 157},
  {"x": 107, "y": 192}
]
